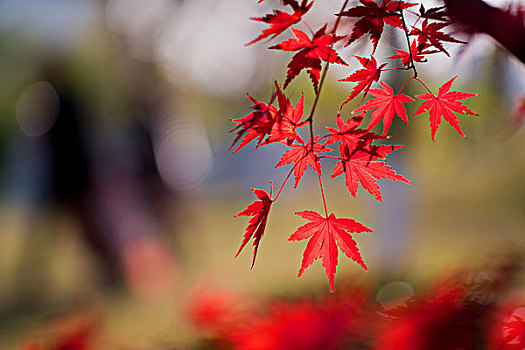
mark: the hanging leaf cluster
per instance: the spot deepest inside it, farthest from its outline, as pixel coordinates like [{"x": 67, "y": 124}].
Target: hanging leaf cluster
[{"x": 351, "y": 148}]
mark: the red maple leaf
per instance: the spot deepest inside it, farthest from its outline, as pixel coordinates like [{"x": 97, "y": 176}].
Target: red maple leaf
[
  {"x": 387, "y": 105},
  {"x": 311, "y": 53},
  {"x": 259, "y": 210},
  {"x": 279, "y": 21},
  {"x": 365, "y": 166},
  {"x": 374, "y": 18},
  {"x": 302, "y": 154},
  {"x": 326, "y": 234},
  {"x": 255, "y": 125},
  {"x": 418, "y": 54},
  {"x": 287, "y": 120},
  {"x": 429, "y": 33},
  {"x": 364, "y": 77},
  {"x": 348, "y": 133},
  {"x": 443, "y": 105}
]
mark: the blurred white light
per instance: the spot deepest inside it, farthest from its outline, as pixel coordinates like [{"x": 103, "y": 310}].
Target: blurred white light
[
  {"x": 37, "y": 109},
  {"x": 504, "y": 3},
  {"x": 140, "y": 21},
  {"x": 198, "y": 42},
  {"x": 183, "y": 154},
  {"x": 394, "y": 294},
  {"x": 204, "y": 45}
]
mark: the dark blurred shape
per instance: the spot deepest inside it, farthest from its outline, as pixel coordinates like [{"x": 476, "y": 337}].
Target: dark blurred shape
[
  {"x": 104, "y": 175},
  {"x": 72, "y": 178},
  {"x": 70, "y": 162},
  {"x": 478, "y": 17}
]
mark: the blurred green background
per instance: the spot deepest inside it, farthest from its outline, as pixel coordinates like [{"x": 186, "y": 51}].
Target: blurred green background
[{"x": 117, "y": 192}]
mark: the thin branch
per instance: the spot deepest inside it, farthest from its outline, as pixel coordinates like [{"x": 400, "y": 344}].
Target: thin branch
[
  {"x": 405, "y": 29},
  {"x": 396, "y": 68},
  {"x": 323, "y": 76}
]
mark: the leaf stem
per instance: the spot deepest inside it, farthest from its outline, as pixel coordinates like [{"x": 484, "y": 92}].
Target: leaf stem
[
  {"x": 308, "y": 27},
  {"x": 339, "y": 17},
  {"x": 397, "y": 68},
  {"x": 317, "y": 96},
  {"x": 425, "y": 85},
  {"x": 323, "y": 76},
  {"x": 282, "y": 186},
  {"x": 406, "y": 84},
  {"x": 314, "y": 106},
  {"x": 323, "y": 137},
  {"x": 330, "y": 157},
  {"x": 322, "y": 191},
  {"x": 413, "y": 65}
]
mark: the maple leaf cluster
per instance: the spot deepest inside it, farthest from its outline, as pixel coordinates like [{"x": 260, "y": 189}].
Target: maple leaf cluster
[
  {"x": 355, "y": 150},
  {"x": 359, "y": 159}
]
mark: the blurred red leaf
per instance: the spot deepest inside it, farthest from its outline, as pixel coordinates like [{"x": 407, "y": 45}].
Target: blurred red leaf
[
  {"x": 515, "y": 333},
  {"x": 293, "y": 326},
  {"x": 215, "y": 312}
]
